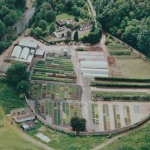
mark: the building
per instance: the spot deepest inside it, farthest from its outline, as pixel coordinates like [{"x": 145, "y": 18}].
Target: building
[
  {"x": 85, "y": 25},
  {"x": 40, "y": 53},
  {"x": 29, "y": 125},
  {"x": 61, "y": 33},
  {"x": 22, "y": 114},
  {"x": 64, "y": 22},
  {"x": 28, "y": 43},
  {"x": 4, "y": 68}
]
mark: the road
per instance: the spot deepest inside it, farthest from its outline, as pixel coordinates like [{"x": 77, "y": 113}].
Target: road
[{"x": 92, "y": 11}]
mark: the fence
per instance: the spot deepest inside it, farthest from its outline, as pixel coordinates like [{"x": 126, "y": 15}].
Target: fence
[{"x": 130, "y": 48}]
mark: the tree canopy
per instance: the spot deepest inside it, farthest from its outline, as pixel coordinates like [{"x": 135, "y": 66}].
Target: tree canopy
[
  {"x": 127, "y": 20},
  {"x": 16, "y": 73},
  {"x": 78, "y": 124}
]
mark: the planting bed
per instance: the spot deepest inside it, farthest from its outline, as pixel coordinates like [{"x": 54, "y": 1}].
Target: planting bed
[
  {"x": 58, "y": 69},
  {"x": 55, "y": 91}
]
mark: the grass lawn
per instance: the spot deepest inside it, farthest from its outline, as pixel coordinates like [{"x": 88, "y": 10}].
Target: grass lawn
[
  {"x": 133, "y": 67},
  {"x": 62, "y": 141},
  {"x": 9, "y": 98},
  {"x": 11, "y": 138},
  {"x": 137, "y": 140},
  {"x": 66, "y": 16}
]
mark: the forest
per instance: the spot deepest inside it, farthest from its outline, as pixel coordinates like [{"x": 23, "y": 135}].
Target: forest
[
  {"x": 128, "y": 20},
  {"x": 10, "y": 12}
]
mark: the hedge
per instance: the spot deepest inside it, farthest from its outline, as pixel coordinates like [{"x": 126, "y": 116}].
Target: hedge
[
  {"x": 121, "y": 85},
  {"x": 137, "y": 96},
  {"x": 121, "y": 79},
  {"x": 120, "y": 52}
]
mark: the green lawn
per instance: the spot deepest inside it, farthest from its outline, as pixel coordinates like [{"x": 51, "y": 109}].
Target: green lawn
[
  {"x": 11, "y": 138},
  {"x": 66, "y": 16},
  {"x": 133, "y": 67},
  {"x": 137, "y": 140},
  {"x": 62, "y": 141}
]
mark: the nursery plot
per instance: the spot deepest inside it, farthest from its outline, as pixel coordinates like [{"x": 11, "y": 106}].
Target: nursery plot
[
  {"x": 58, "y": 69},
  {"x": 106, "y": 117},
  {"x": 60, "y": 111},
  {"x": 95, "y": 113},
  {"x": 55, "y": 91},
  {"x": 116, "y": 116}
]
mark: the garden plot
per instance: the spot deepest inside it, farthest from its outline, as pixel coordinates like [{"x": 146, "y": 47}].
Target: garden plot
[
  {"x": 55, "y": 91},
  {"x": 116, "y": 115},
  {"x": 93, "y": 63},
  {"x": 58, "y": 69},
  {"x": 59, "y": 112}
]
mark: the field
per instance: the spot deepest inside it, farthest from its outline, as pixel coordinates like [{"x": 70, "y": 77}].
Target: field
[
  {"x": 61, "y": 141},
  {"x": 130, "y": 64},
  {"x": 137, "y": 140},
  {"x": 133, "y": 67},
  {"x": 8, "y": 98},
  {"x": 58, "y": 69},
  {"x": 11, "y": 138}
]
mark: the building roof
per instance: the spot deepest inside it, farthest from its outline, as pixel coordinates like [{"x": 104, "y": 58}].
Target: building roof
[
  {"x": 22, "y": 114},
  {"x": 28, "y": 43},
  {"x": 24, "y": 54},
  {"x": 16, "y": 52},
  {"x": 57, "y": 33},
  {"x": 39, "y": 52},
  {"x": 28, "y": 125}
]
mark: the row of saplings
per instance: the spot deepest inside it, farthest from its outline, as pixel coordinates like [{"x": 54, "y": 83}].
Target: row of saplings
[{"x": 17, "y": 76}]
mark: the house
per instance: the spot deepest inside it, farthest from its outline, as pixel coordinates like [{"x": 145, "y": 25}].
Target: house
[
  {"x": 62, "y": 23},
  {"x": 29, "y": 125},
  {"x": 22, "y": 114},
  {"x": 60, "y": 33},
  {"x": 4, "y": 68},
  {"x": 85, "y": 25}
]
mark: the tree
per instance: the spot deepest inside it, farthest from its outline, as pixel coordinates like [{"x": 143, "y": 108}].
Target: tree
[
  {"x": 50, "y": 16},
  {"x": 22, "y": 87},
  {"x": 43, "y": 24},
  {"x": 68, "y": 35},
  {"x": 16, "y": 73},
  {"x": 144, "y": 41},
  {"x": 2, "y": 29},
  {"x": 37, "y": 32},
  {"x": 52, "y": 27},
  {"x": 145, "y": 147},
  {"x": 69, "y": 4},
  {"x": 76, "y": 38},
  {"x": 11, "y": 18},
  {"x": 78, "y": 124}
]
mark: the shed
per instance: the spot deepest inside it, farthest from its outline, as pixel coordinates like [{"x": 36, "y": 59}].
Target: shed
[
  {"x": 28, "y": 125},
  {"x": 40, "y": 53},
  {"x": 85, "y": 25}
]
